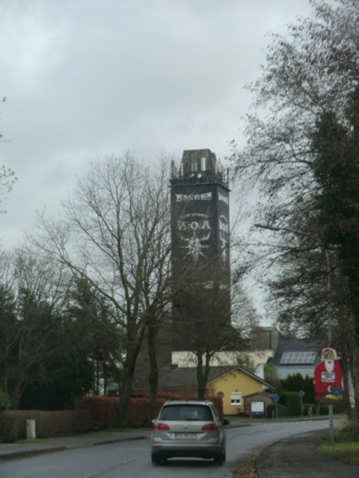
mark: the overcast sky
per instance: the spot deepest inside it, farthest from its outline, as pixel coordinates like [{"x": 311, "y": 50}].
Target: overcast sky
[{"x": 85, "y": 79}]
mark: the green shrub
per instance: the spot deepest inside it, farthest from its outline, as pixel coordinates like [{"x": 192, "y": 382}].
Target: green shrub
[
  {"x": 292, "y": 401},
  {"x": 8, "y": 431},
  {"x": 296, "y": 382},
  {"x": 339, "y": 406},
  {"x": 349, "y": 433},
  {"x": 273, "y": 410},
  {"x": 5, "y": 402},
  {"x": 323, "y": 410}
]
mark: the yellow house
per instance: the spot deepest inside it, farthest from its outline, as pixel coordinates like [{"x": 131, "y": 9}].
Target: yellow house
[{"x": 233, "y": 386}]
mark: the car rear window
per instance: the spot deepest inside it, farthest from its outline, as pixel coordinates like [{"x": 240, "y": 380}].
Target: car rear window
[{"x": 186, "y": 412}]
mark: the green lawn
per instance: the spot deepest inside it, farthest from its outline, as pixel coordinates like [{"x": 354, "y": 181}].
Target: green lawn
[{"x": 346, "y": 445}]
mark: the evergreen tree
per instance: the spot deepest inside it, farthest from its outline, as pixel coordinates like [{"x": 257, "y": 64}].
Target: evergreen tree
[
  {"x": 336, "y": 168},
  {"x": 97, "y": 332},
  {"x": 8, "y": 336}
]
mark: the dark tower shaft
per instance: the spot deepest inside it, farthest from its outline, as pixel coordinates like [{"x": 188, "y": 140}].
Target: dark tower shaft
[{"x": 200, "y": 244}]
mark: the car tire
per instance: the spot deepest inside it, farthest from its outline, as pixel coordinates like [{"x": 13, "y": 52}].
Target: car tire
[
  {"x": 156, "y": 460},
  {"x": 219, "y": 460}
]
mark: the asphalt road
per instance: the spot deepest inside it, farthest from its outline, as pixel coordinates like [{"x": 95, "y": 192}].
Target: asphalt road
[{"x": 132, "y": 459}]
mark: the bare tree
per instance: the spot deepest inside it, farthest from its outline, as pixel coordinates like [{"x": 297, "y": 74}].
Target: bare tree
[
  {"x": 116, "y": 234},
  {"x": 202, "y": 319},
  {"x": 7, "y": 176},
  {"x": 244, "y": 315}
]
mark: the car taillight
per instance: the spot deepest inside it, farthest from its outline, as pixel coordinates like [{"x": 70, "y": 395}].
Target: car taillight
[
  {"x": 210, "y": 427},
  {"x": 160, "y": 426}
]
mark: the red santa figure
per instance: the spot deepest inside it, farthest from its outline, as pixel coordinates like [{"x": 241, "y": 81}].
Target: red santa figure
[{"x": 328, "y": 376}]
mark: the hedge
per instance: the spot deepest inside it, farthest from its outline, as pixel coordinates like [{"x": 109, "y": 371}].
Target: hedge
[
  {"x": 104, "y": 410},
  {"x": 92, "y": 413},
  {"x": 48, "y": 423},
  {"x": 292, "y": 401}
]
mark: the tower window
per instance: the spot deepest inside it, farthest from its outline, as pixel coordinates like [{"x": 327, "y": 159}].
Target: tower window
[{"x": 203, "y": 163}]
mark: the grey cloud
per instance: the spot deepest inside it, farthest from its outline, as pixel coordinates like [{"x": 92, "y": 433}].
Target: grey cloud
[{"x": 95, "y": 77}]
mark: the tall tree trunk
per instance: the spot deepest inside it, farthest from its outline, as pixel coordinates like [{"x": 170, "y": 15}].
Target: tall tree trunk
[
  {"x": 133, "y": 349},
  {"x": 126, "y": 391},
  {"x": 125, "y": 399},
  {"x": 17, "y": 393},
  {"x": 153, "y": 373},
  {"x": 4, "y": 381},
  {"x": 347, "y": 384},
  {"x": 350, "y": 358}
]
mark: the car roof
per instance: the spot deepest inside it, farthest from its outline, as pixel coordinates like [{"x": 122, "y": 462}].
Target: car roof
[{"x": 187, "y": 402}]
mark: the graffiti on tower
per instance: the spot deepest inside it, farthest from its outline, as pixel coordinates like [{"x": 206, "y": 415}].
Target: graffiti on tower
[{"x": 195, "y": 232}]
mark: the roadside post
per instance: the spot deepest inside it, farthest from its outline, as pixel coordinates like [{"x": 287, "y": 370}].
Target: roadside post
[
  {"x": 301, "y": 394},
  {"x": 331, "y": 423},
  {"x": 276, "y": 399},
  {"x": 30, "y": 429}
]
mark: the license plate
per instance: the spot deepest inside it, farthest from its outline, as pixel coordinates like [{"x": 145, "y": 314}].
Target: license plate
[{"x": 186, "y": 436}]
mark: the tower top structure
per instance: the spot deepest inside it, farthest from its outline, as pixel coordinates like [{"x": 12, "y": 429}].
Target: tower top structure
[{"x": 199, "y": 166}]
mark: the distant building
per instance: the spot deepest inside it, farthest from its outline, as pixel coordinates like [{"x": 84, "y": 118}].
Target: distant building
[
  {"x": 255, "y": 359},
  {"x": 265, "y": 338},
  {"x": 294, "y": 356},
  {"x": 264, "y": 343},
  {"x": 200, "y": 239},
  {"x": 233, "y": 384}
]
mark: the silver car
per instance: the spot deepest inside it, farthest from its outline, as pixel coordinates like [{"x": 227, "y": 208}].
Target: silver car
[{"x": 188, "y": 429}]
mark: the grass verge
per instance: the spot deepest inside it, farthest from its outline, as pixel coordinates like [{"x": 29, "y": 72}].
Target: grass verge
[
  {"x": 346, "y": 445},
  {"x": 77, "y": 435},
  {"x": 348, "y": 452}
]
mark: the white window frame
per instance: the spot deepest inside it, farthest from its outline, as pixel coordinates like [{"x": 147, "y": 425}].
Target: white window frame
[{"x": 236, "y": 399}]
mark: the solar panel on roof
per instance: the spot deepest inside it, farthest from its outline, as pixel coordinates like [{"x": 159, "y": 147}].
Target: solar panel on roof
[{"x": 297, "y": 358}]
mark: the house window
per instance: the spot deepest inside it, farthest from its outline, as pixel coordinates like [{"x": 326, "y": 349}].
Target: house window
[{"x": 236, "y": 398}]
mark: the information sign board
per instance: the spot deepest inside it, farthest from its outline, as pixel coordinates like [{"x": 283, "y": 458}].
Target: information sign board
[{"x": 257, "y": 408}]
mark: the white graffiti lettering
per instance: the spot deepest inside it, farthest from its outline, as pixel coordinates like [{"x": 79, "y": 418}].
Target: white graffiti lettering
[
  {"x": 195, "y": 228},
  {"x": 194, "y": 197}
]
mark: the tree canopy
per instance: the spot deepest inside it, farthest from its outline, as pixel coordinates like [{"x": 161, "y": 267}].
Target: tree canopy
[
  {"x": 116, "y": 237},
  {"x": 7, "y": 177},
  {"x": 303, "y": 153},
  {"x": 311, "y": 71}
]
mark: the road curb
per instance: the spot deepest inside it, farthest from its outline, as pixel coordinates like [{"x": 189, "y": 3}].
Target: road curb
[
  {"x": 18, "y": 454},
  {"x": 27, "y": 453}
]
